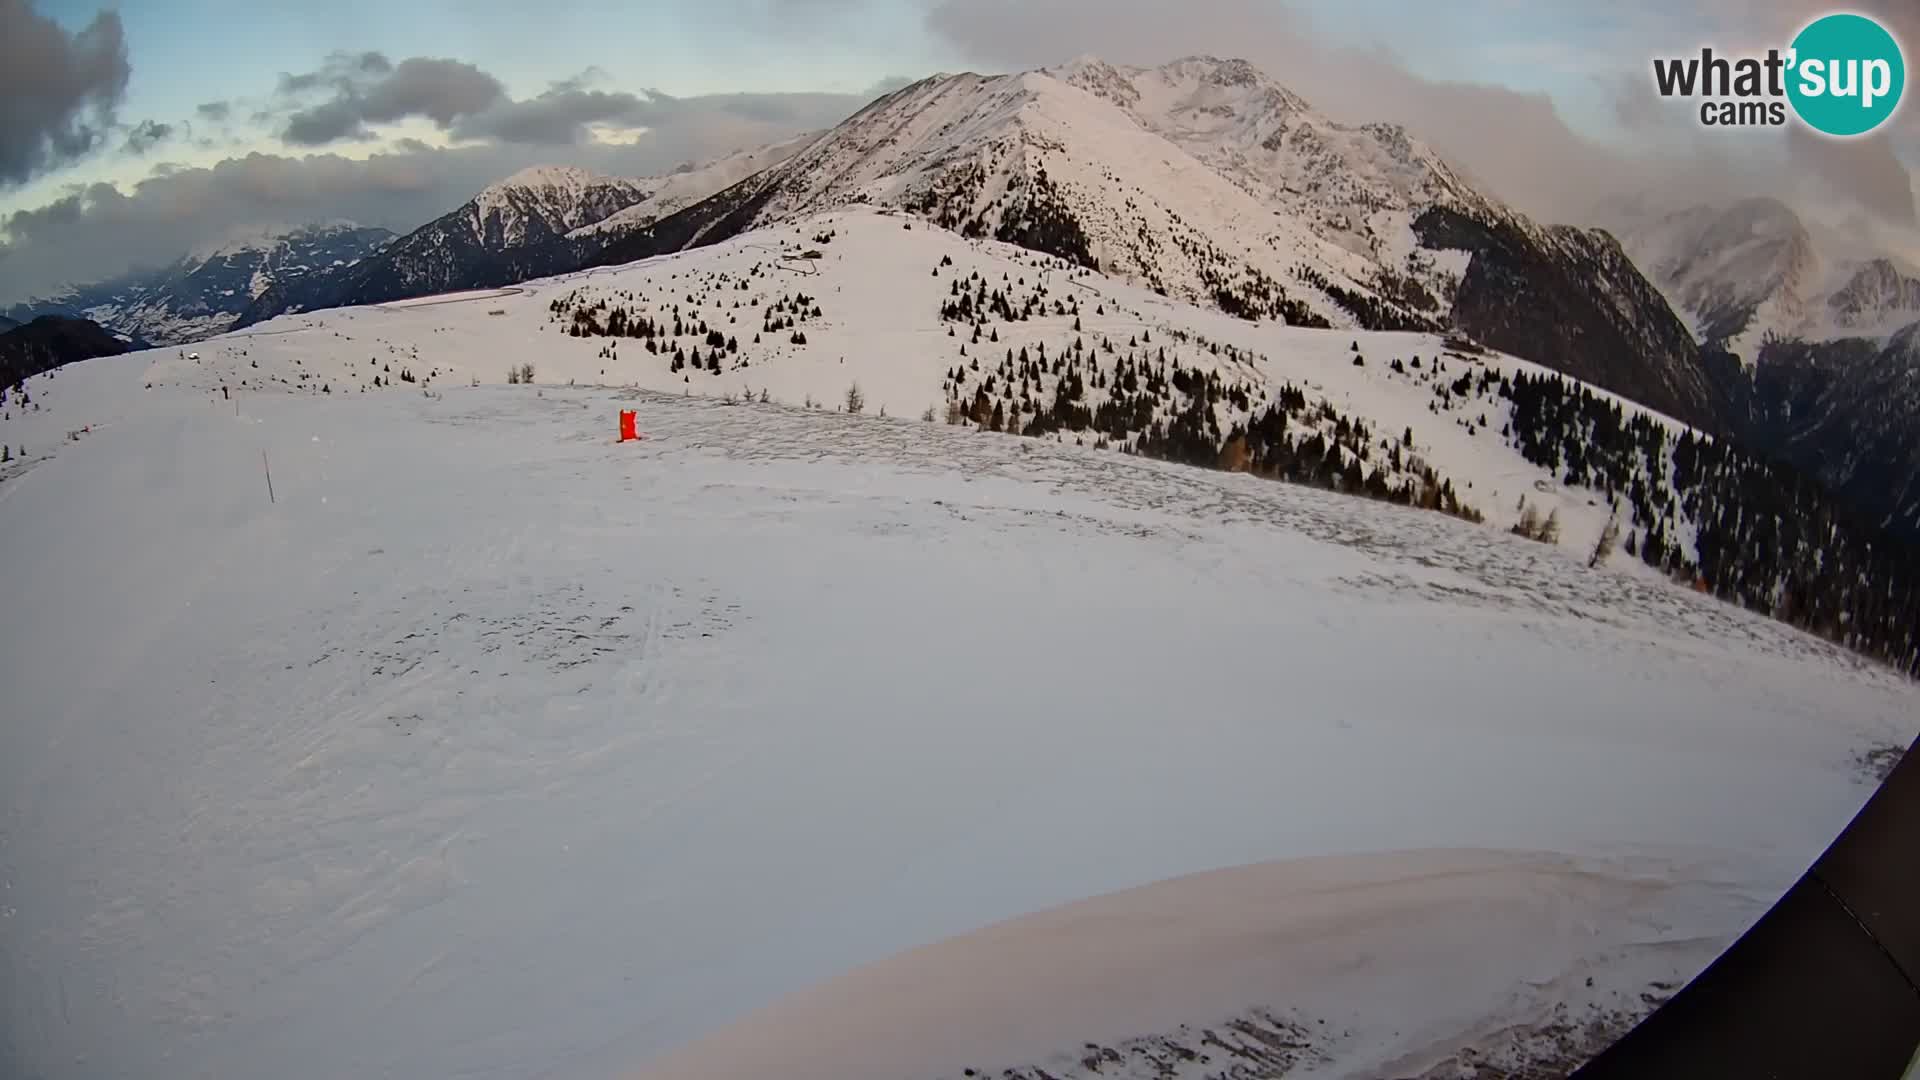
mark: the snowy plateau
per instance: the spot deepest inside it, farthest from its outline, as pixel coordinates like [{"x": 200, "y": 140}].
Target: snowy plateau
[{"x": 377, "y": 716}]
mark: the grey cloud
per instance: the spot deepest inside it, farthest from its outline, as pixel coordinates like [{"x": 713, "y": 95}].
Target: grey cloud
[
  {"x": 214, "y": 110},
  {"x": 146, "y": 135},
  {"x": 58, "y": 91},
  {"x": 586, "y": 80},
  {"x": 1636, "y": 107},
  {"x": 341, "y": 72},
  {"x": 370, "y": 90},
  {"x": 764, "y": 108},
  {"x": 1862, "y": 173},
  {"x": 561, "y": 115},
  {"x": 442, "y": 90},
  {"x": 1865, "y": 172},
  {"x": 336, "y": 121},
  {"x": 887, "y": 86},
  {"x": 92, "y": 233},
  {"x": 558, "y": 117}
]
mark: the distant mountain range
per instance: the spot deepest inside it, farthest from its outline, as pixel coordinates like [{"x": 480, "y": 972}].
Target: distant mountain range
[
  {"x": 207, "y": 292},
  {"x": 1753, "y": 270},
  {"x": 540, "y": 221}
]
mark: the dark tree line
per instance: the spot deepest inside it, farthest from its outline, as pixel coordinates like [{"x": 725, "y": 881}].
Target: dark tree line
[
  {"x": 1765, "y": 536},
  {"x": 1372, "y": 312},
  {"x": 1140, "y": 400},
  {"x": 1259, "y": 297},
  {"x": 1042, "y": 222}
]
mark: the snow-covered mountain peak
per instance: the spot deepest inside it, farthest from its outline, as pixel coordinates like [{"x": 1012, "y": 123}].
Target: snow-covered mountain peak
[
  {"x": 564, "y": 177},
  {"x": 1201, "y": 84},
  {"x": 1880, "y": 296},
  {"x": 548, "y": 200},
  {"x": 1269, "y": 140},
  {"x": 1753, "y": 269},
  {"x": 1099, "y": 78}
]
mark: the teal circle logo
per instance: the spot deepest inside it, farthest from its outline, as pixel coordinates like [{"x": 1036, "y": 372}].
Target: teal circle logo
[{"x": 1847, "y": 75}]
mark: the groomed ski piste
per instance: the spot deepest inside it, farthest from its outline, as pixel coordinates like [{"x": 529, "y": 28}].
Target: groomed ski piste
[{"x": 774, "y": 743}]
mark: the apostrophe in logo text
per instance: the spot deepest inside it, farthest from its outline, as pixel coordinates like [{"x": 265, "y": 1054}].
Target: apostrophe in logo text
[{"x": 1842, "y": 75}]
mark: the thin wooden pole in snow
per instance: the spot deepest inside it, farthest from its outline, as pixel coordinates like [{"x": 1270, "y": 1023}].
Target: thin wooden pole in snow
[{"x": 269, "y": 472}]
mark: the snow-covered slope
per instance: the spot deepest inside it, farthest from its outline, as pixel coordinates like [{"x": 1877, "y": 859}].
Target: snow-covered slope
[
  {"x": 1154, "y": 983},
  {"x": 1039, "y": 156},
  {"x": 875, "y": 308},
  {"x": 926, "y": 323},
  {"x": 1208, "y": 182},
  {"x": 485, "y": 746},
  {"x": 208, "y": 291},
  {"x": 689, "y": 184},
  {"x": 1268, "y": 139}
]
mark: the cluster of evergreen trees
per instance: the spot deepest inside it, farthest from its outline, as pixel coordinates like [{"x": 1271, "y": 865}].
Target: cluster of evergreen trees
[
  {"x": 949, "y": 201},
  {"x": 1341, "y": 454},
  {"x": 1763, "y": 535},
  {"x": 787, "y": 312},
  {"x": 1031, "y": 213},
  {"x": 719, "y": 347},
  {"x": 1041, "y": 221},
  {"x": 587, "y": 314},
  {"x": 1371, "y": 312},
  {"x": 1258, "y": 296},
  {"x": 597, "y": 316},
  {"x": 972, "y": 301}
]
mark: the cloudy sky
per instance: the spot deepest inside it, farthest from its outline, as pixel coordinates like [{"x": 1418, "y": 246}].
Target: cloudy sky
[{"x": 131, "y": 134}]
